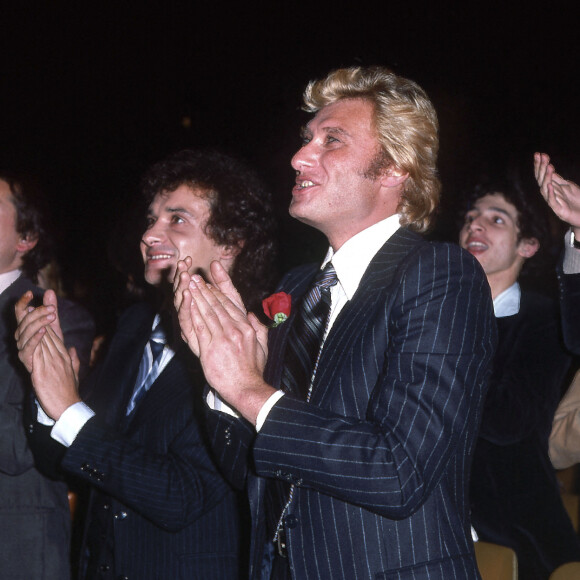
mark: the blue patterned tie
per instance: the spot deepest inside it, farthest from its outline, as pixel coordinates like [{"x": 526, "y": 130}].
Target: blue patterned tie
[
  {"x": 305, "y": 336},
  {"x": 149, "y": 367}
]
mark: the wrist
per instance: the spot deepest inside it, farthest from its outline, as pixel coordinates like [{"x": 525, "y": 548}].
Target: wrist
[{"x": 251, "y": 399}]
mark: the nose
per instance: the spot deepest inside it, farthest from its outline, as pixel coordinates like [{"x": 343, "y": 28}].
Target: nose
[
  {"x": 476, "y": 224},
  {"x": 153, "y": 234},
  {"x": 305, "y": 157}
]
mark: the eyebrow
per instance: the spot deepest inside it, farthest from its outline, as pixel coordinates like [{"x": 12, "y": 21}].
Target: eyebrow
[
  {"x": 173, "y": 210},
  {"x": 493, "y": 208},
  {"x": 307, "y": 131}
]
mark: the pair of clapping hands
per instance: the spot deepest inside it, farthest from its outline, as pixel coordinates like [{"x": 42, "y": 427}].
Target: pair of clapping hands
[{"x": 231, "y": 344}]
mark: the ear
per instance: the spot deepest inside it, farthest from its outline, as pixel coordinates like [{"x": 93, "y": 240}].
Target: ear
[
  {"x": 527, "y": 247},
  {"x": 26, "y": 243},
  {"x": 393, "y": 176},
  {"x": 231, "y": 252}
]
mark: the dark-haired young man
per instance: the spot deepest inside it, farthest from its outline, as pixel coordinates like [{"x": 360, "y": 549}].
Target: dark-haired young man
[
  {"x": 30, "y": 503},
  {"x": 159, "y": 507},
  {"x": 514, "y": 494}
]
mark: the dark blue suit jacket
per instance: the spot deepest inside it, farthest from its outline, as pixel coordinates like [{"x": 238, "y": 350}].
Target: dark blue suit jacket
[
  {"x": 158, "y": 506},
  {"x": 380, "y": 457}
]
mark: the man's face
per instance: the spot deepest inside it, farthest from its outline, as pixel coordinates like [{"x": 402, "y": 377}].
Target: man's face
[
  {"x": 338, "y": 187},
  {"x": 11, "y": 243},
  {"x": 176, "y": 229},
  {"x": 491, "y": 233}
]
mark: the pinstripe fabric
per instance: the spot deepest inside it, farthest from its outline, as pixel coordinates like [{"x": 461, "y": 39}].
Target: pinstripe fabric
[
  {"x": 157, "y": 502},
  {"x": 380, "y": 456}
]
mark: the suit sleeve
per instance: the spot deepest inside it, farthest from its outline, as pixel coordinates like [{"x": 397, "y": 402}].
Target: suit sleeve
[
  {"x": 570, "y": 299},
  {"x": 15, "y": 456},
  {"x": 171, "y": 489},
  {"x": 426, "y": 380}
]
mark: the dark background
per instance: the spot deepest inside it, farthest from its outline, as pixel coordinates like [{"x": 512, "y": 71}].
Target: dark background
[{"x": 91, "y": 94}]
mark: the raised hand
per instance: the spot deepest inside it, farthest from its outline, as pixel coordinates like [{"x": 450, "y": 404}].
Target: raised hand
[
  {"x": 232, "y": 346},
  {"x": 562, "y": 196},
  {"x": 33, "y": 323},
  {"x": 54, "y": 370}
]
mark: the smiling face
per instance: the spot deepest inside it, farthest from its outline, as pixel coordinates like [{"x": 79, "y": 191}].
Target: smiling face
[
  {"x": 341, "y": 185},
  {"x": 491, "y": 234},
  {"x": 176, "y": 228}
]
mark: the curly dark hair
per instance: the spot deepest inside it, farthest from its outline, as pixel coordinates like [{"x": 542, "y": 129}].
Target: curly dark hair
[
  {"x": 32, "y": 220},
  {"x": 242, "y": 213}
]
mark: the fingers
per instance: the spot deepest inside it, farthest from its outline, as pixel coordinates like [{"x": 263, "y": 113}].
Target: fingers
[
  {"x": 182, "y": 266},
  {"x": 22, "y": 308},
  {"x": 185, "y": 319},
  {"x": 49, "y": 299},
  {"x": 76, "y": 363},
  {"x": 222, "y": 281},
  {"x": 541, "y": 162}
]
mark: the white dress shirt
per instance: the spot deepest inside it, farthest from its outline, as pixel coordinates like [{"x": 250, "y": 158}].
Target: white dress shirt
[
  {"x": 350, "y": 263},
  {"x": 508, "y": 302},
  {"x": 8, "y": 278}
]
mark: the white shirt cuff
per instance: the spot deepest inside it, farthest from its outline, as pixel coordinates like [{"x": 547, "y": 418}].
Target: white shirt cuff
[
  {"x": 41, "y": 416},
  {"x": 215, "y": 402},
  {"x": 70, "y": 423},
  {"x": 266, "y": 408},
  {"x": 571, "y": 264}
]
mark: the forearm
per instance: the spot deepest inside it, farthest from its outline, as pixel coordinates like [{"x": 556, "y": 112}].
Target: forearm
[{"x": 171, "y": 488}]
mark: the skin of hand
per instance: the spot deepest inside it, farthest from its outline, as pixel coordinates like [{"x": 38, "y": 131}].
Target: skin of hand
[
  {"x": 562, "y": 196},
  {"x": 32, "y": 323},
  {"x": 54, "y": 370},
  {"x": 231, "y": 344}
]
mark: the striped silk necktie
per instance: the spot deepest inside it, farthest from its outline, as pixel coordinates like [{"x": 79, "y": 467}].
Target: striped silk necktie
[
  {"x": 305, "y": 336},
  {"x": 149, "y": 367}
]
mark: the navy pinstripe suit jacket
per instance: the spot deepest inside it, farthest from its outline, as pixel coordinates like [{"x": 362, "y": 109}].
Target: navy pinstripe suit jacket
[
  {"x": 380, "y": 457},
  {"x": 159, "y": 508}
]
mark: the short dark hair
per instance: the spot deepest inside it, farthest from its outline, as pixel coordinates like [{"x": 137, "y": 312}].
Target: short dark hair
[
  {"x": 532, "y": 215},
  {"x": 242, "y": 213},
  {"x": 32, "y": 220},
  {"x": 532, "y": 219}
]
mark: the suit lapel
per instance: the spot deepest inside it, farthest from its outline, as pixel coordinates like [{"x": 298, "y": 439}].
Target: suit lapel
[
  {"x": 367, "y": 305},
  {"x": 182, "y": 373},
  {"x": 296, "y": 285}
]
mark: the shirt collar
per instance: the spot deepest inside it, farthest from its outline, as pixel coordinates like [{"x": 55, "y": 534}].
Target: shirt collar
[
  {"x": 8, "y": 278},
  {"x": 508, "y": 302},
  {"x": 352, "y": 259}
]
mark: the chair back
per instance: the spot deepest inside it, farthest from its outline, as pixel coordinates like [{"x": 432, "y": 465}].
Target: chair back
[
  {"x": 496, "y": 562},
  {"x": 569, "y": 571}
]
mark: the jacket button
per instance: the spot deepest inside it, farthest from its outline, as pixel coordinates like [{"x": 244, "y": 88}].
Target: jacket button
[
  {"x": 290, "y": 521},
  {"x": 106, "y": 506},
  {"x": 120, "y": 515},
  {"x": 104, "y": 568}
]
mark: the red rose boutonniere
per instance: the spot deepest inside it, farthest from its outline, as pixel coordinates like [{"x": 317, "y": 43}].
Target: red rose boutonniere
[{"x": 277, "y": 307}]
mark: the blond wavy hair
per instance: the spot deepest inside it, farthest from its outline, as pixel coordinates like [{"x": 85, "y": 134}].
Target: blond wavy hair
[{"x": 407, "y": 129}]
